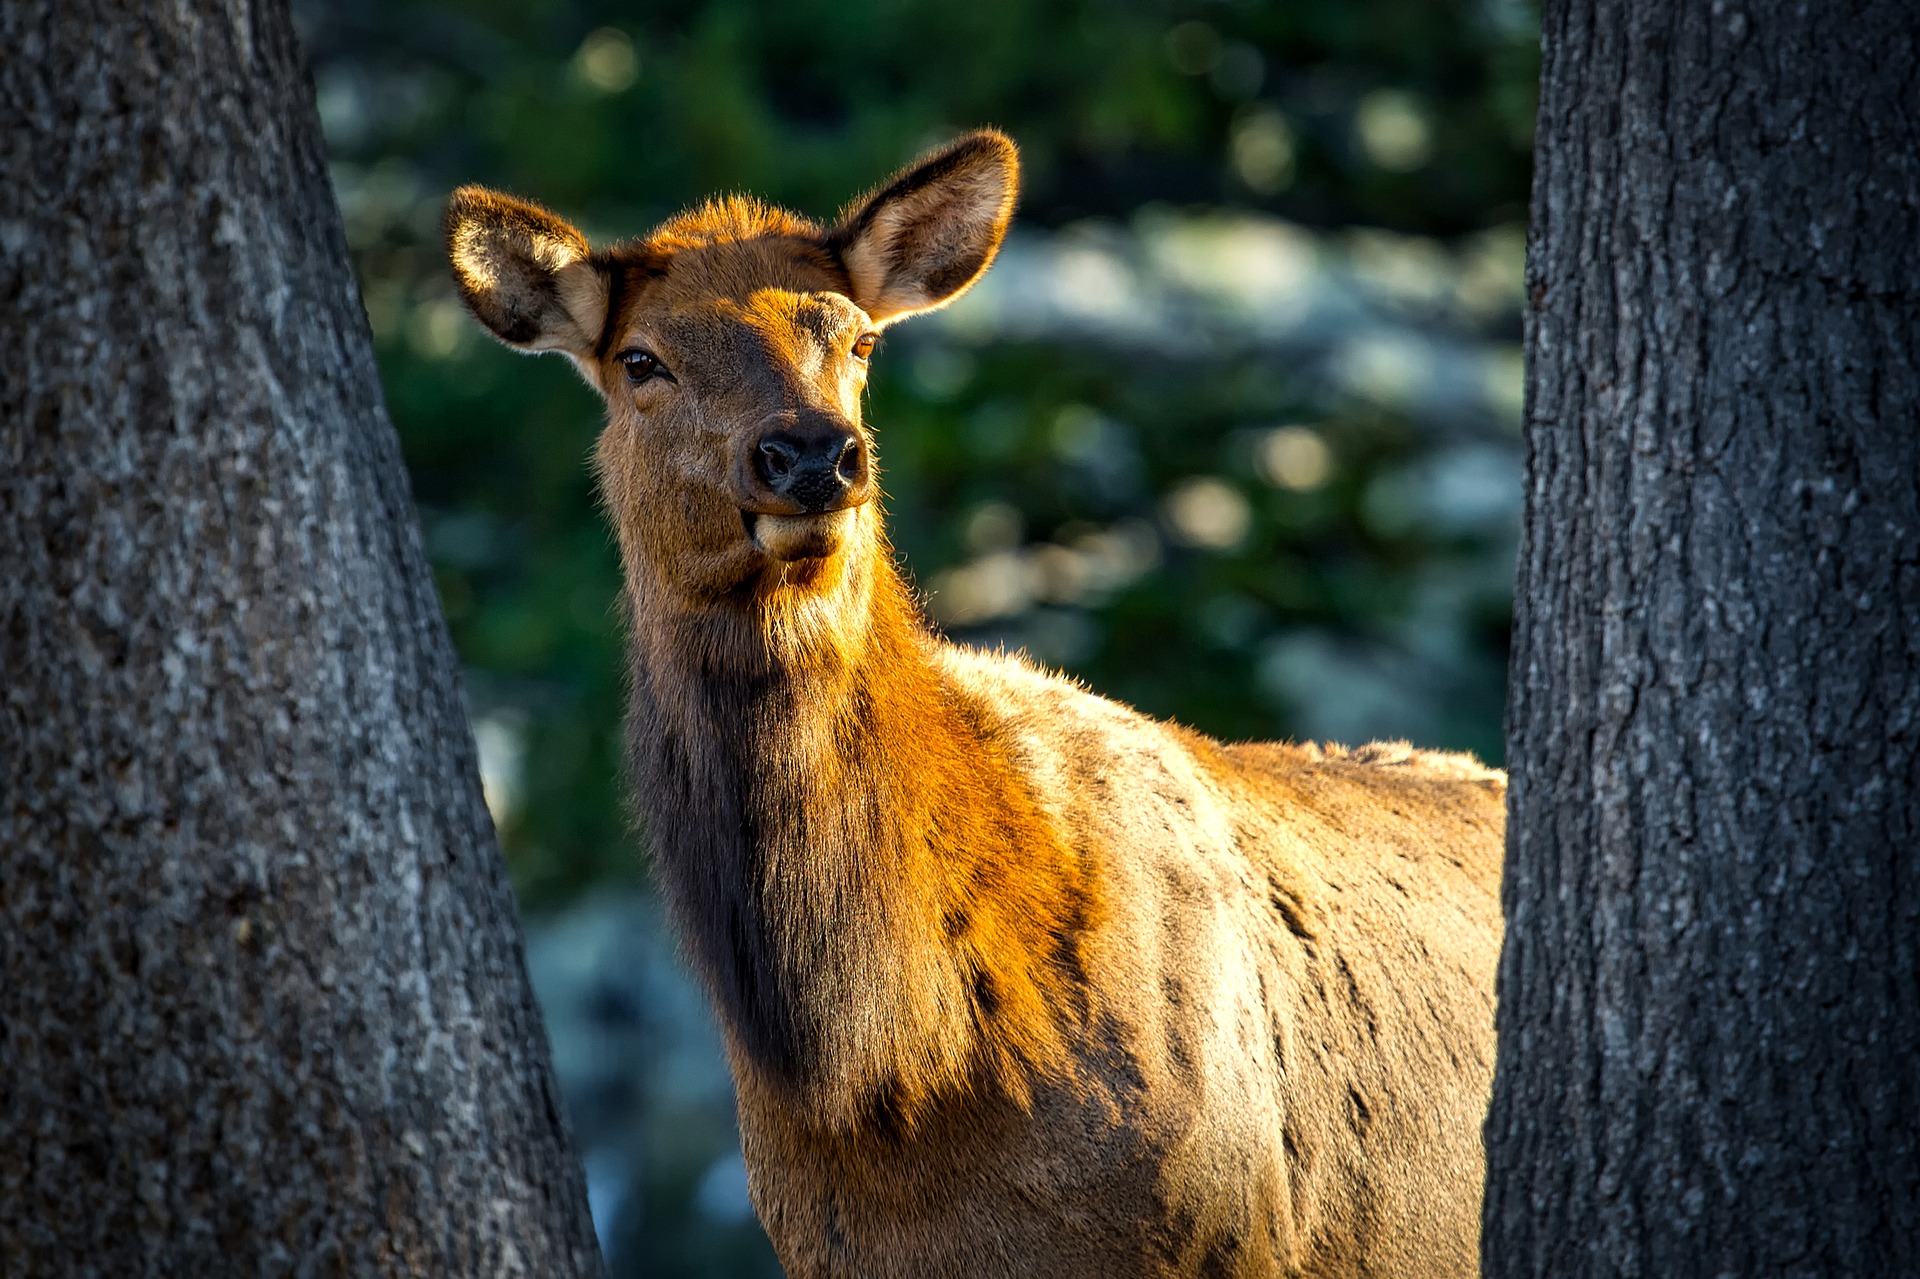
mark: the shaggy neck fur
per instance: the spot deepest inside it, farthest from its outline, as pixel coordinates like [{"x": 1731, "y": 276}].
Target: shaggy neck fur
[{"x": 864, "y": 877}]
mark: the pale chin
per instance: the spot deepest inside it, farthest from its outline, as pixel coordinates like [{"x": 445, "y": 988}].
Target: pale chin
[{"x": 786, "y": 538}]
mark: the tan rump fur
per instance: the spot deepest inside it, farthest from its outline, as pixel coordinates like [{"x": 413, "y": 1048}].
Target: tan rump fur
[{"x": 1014, "y": 980}]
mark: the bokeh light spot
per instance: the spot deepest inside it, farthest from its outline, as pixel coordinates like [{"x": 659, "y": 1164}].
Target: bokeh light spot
[
  {"x": 606, "y": 61},
  {"x": 1263, "y": 151},
  {"x": 1293, "y": 457},
  {"x": 1208, "y": 512},
  {"x": 1393, "y": 130}
]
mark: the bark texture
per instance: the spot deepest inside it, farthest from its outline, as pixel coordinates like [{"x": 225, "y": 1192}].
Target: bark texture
[
  {"x": 1709, "y": 1009},
  {"x": 262, "y": 1002}
]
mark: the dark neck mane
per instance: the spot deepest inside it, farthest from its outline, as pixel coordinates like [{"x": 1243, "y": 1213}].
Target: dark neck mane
[{"x": 859, "y": 869}]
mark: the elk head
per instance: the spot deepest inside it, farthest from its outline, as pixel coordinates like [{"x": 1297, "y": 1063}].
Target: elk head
[{"x": 731, "y": 346}]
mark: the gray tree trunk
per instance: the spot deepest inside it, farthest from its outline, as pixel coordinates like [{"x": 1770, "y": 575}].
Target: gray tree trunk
[
  {"x": 1710, "y": 994},
  {"x": 262, "y": 1002}
]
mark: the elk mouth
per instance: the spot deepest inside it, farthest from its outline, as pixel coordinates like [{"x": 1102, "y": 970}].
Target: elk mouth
[{"x": 787, "y": 538}]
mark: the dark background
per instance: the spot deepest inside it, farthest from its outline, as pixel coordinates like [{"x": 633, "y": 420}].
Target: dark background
[{"x": 1230, "y": 432}]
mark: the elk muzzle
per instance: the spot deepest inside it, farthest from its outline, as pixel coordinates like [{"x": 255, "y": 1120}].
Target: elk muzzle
[{"x": 799, "y": 479}]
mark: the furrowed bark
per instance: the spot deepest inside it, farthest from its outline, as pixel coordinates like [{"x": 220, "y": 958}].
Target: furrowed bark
[
  {"x": 1709, "y": 1018},
  {"x": 263, "y": 1008}
]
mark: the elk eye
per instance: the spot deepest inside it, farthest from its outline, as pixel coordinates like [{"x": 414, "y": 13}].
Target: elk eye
[
  {"x": 864, "y": 344},
  {"x": 642, "y": 366}
]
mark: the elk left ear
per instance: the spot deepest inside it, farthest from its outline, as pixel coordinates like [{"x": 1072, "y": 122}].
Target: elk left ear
[{"x": 921, "y": 240}]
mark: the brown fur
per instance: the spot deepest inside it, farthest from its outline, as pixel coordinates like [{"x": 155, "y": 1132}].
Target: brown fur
[{"x": 1014, "y": 980}]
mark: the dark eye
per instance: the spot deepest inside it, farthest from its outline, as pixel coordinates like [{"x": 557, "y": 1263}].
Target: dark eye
[
  {"x": 864, "y": 344},
  {"x": 642, "y": 365}
]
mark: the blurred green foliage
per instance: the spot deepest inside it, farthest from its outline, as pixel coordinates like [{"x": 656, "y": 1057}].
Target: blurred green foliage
[
  {"x": 627, "y": 112},
  {"x": 1215, "y": 527}
]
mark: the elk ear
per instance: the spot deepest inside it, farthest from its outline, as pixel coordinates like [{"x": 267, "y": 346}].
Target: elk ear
[
  {"x": 921, "y": 240},
  {"x": 525, "y": 273}
]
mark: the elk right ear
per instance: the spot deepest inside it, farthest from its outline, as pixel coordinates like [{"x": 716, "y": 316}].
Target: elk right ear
[{"x": 525, "y": 273}]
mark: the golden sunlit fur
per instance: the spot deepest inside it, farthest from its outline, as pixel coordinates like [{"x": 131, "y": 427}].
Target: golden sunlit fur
[{"x": 1014, "y": 980}]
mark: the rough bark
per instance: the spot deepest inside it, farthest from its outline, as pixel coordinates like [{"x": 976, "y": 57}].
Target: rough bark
[
  {"x": 1709, "y": 1017},
  {"x": 262, "y": 1002}
]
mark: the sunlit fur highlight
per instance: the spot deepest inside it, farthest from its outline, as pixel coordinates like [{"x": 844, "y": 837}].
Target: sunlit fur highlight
[{"x": 1013, "y": 979}]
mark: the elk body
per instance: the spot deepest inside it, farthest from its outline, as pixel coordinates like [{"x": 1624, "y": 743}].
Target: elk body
[{"x": 1013, "y": 980}]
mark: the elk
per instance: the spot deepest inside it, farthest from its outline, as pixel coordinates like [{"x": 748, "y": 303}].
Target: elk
[{"x": 1013, "y": 980}]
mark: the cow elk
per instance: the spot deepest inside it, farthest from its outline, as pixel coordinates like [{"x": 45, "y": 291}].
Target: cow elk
[{"x": 1013, "y": 979}]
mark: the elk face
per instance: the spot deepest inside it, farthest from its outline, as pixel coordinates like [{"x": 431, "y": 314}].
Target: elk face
[
  {"x": 733, "y": 383},
  {"x": 731, "y": 347}
]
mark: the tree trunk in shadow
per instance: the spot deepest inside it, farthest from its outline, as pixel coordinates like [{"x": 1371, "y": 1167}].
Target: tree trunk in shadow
[
  {"x": 1710, "y": 994},
  {"x": 263, "y": 1008}
]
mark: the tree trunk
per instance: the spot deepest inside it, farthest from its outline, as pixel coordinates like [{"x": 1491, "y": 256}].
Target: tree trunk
[
  {"x": 262, "y": 1002},
  {"x": 1710, "y": 995}
]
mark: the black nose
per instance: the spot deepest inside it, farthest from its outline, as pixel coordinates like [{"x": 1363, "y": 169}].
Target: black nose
[{"x": 815, "y": 470}]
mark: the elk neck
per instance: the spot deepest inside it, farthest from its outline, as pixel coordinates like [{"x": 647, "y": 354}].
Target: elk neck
[{"x": 863, "y": 876}]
